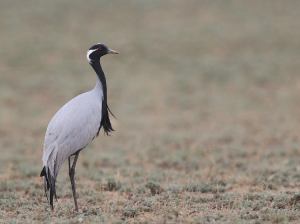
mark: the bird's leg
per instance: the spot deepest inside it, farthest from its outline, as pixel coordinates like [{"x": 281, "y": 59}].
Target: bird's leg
[
  {"x": 72, "y": 174},
  {"x": 69, "y": 164}
]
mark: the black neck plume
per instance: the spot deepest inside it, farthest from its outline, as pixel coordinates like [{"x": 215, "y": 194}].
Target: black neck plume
[{"x": 105, "y": 122}]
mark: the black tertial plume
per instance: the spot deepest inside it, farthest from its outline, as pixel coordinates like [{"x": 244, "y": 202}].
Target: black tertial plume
[
  {"x": 46, "y": 181},
  {"x": 49, "y": 183}
]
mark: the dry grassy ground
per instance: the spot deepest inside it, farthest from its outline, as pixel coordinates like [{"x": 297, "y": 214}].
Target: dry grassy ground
[{"x": 206, "y": 94}]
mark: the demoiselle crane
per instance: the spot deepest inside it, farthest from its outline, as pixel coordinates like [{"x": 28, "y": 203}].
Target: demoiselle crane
[{"x": 75, "y": 125}]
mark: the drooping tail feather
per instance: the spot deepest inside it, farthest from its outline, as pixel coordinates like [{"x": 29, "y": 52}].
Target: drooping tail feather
[{"x": 49, "y": 184}]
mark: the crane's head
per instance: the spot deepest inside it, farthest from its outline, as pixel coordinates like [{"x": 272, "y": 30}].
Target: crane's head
[{"x": 97, "y": 51}]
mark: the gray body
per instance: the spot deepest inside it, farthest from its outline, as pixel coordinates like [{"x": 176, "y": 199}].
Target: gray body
[
  {"x": 76, "y": 124},
  {"x": 72, "y": 128}
]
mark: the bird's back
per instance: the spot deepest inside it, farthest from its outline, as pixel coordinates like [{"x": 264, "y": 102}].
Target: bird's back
[{"x": 71, "y": 129}]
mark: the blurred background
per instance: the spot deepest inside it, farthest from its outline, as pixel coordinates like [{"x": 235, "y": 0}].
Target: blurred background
[{"x": 203, "y": 91}]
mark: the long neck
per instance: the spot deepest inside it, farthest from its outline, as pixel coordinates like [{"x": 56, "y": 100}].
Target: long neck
[
  {"x": 105, "y": 122},
  {"x": 101, "y": 77}
]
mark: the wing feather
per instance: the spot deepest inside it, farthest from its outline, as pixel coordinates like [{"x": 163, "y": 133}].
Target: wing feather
[{"x": 71, "y": 129}]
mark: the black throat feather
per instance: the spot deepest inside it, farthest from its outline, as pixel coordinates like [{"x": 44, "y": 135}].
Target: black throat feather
[{"x": 105, "y": 121}]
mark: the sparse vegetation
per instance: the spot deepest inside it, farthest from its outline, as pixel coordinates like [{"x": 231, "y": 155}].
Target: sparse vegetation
[{"x": 207, "y": 99}]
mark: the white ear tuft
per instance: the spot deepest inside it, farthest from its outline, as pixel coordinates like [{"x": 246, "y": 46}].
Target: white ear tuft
[{"x": 88, "y": 55}]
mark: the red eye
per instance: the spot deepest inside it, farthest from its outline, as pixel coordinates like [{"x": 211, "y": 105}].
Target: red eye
[{"x": 99, "y": 48}]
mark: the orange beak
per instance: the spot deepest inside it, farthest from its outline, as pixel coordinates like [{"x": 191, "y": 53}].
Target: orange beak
[{"x": 112, "y": 52}]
